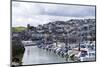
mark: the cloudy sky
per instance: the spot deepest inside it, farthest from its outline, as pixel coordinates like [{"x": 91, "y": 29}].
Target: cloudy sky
[{"x": 24, "y": 13}]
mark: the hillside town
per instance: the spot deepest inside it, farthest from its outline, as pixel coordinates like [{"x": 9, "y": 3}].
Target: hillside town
[{"x": 73, "y": 40}]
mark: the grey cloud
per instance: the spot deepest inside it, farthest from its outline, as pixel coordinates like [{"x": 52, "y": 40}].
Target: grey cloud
[{"x": 27, "y": 11}]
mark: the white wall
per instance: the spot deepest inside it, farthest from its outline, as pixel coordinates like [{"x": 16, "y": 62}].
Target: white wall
[{"x": 5, "y": 33}]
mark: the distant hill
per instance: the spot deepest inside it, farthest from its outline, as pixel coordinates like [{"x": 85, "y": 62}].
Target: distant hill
[{"x": 18, "y": 29}]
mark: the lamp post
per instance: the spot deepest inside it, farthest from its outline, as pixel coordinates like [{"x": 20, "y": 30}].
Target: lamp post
[
  {"x": 56, "y": 40},
  {"x": 45, "y": 38},
  {"x": 79, "y": 39},
  {"x": 66, "y": 40}
]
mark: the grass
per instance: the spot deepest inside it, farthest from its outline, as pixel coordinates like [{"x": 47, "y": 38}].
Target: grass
[{"x": 18, "y": 29}]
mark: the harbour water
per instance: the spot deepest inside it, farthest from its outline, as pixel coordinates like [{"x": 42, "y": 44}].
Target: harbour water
[{"x": 35, "y": 55}]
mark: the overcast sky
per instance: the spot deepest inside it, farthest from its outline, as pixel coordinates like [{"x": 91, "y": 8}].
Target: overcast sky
[{"x": 24, "y": 13}]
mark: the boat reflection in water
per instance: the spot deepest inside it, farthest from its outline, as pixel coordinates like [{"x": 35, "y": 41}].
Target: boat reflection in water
[{"x": 35, "y": 55}]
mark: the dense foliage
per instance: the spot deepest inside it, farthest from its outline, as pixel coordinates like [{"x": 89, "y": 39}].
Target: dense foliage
[{"x": 17, "y": 50}]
